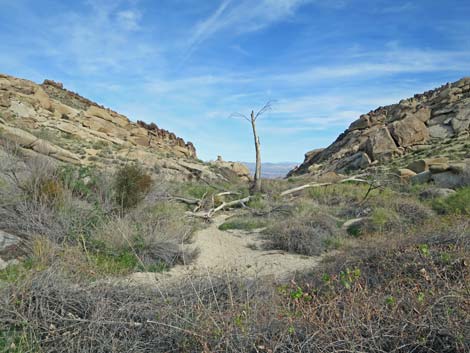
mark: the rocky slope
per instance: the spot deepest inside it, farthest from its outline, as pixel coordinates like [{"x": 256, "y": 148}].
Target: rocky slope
[
  {"x": 437, "y": 121},
  {"x": 50, "y": 120}
]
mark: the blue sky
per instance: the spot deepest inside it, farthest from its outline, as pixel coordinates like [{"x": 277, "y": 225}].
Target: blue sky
[{"x": 188, "y": 64}]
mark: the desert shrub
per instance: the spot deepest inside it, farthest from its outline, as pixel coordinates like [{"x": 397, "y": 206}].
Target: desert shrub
[
  {"x": 340, "y": 194},
  {"x": 131, "y": 184},
  {"x": 382, "y": 219},
  {"x": 306, "y": 232},
  {"x": 410, "y": 210},
  {"x": 145, "y": 238},
  {"x": 258, "y": 202},
  {"x": 457, "y": 203}
]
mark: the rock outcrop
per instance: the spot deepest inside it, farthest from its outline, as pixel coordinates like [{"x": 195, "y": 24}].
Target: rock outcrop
[
  {"x": 239, "y": 169},
  {"x": 50, "y": 120},
  {"x": 395, "y": 130}
]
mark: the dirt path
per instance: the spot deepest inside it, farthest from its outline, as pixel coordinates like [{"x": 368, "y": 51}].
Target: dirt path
[{"x": 232, "y": 251}]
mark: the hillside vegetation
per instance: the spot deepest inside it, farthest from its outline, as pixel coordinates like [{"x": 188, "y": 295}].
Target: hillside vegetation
[{"x": 393, "y": 272}]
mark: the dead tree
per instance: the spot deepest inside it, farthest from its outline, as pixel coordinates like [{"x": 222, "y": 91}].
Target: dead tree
[{"x": 252, "y": 120}]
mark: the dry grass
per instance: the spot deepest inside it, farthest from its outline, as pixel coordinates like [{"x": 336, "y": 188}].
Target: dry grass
[
  {"x": 411, "y": 296},
  {"x": 307, "y": 231}
]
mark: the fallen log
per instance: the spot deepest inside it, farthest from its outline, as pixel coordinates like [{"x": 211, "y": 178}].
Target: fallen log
[{"x": 314, "y": 185}]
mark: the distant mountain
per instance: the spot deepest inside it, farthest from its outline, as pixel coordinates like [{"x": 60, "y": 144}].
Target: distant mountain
[{"x": 273, "y": 170}]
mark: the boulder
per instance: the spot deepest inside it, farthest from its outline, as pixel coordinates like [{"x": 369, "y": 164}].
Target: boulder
[
  {"x": 423, "y": 114},
  {"x": 405, "y": 174},
  {"x": 461, "y": 122},
  {"x": 438, "y": 167},
  {"x": 27, "y": 140},
  {"x": 239, "y": 169},
  {"x": 441, "y": 131},
  {"x": 380, "y": 145},
  {"x": 312, "y": 154},
  {"x": 458, "y": 168},
  {"x": 22, "y": 109},
  {"x": 42, "y": 99},
  {"x": 362, "y": 123},
  {"x": 450, "y": 180},
  {"x": 421, "y": 178},
  {"x": 422, "y": 165},
  {"x": 409, "y": 131},
  {"x": 436, "y": 193},
  {"x": 359, "y": 160}
]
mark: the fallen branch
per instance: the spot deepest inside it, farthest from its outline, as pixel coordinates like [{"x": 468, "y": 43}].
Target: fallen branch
[
  {"x": 224, "y": 205},
  {"x": 314, "y": 185},
  {"x": 207, "y": 215},
  {"x": 186, "y": 201}
]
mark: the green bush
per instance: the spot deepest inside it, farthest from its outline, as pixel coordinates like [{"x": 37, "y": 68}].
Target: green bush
[
  {"x": 458, "y": 203},
  {"x": 131, "y": 185}
]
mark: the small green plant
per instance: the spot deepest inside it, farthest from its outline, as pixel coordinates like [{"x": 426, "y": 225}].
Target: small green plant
[
  {"x": 390, "y": 300},
  {"x": 424, "y": 250},
  {"x": 348, "y": 277}
]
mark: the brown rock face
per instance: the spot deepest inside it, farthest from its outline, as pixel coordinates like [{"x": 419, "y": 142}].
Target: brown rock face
[
  {"x": 394, "y": 130},
  {"x": 239, "y": 169},
  {"x": 380, "y": 145},
  {"x": 26, "y": 105},
  {"x": 409, "y": 131}
]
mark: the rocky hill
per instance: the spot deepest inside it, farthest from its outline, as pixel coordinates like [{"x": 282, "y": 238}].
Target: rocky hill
[
  {"x": 435, "y": 123},
  {"x": 50, "y": 120}
]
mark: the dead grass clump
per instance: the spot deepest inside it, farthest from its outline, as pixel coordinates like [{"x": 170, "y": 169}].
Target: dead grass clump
[
  {"x": 155, "y": 237},
  {"x": 306, "y": 232},
  {"x": 201, "y": 315}
]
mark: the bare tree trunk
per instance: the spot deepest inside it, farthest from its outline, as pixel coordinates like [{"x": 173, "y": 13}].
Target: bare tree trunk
[{"x": 257, "y": 181}]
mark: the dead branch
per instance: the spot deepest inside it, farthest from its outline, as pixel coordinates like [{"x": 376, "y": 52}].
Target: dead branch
[
  {"x": 314, "y": 185},
  {"x": 186, "y": 201},
  {"x": 224, "y": 205},
  {"x": 209, "y": 214}
]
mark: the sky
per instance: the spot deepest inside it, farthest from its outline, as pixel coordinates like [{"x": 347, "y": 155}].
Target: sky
[{"x": 187, "y": 65}]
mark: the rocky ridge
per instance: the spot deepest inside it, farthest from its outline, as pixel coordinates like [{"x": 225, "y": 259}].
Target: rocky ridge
[
  {"x": 49, "y": 120},
  {"x": 420, "y": 123}
]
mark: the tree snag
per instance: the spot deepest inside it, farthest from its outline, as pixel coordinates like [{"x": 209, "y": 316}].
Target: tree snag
[{"x": 256, "y": 187}]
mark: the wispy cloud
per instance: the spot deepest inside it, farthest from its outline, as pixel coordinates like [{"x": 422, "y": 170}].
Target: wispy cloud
[
  {"x": 129, "y": 19},
  {"x": 395, "y": 9},
  {"x": 240, "y": 17}
]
